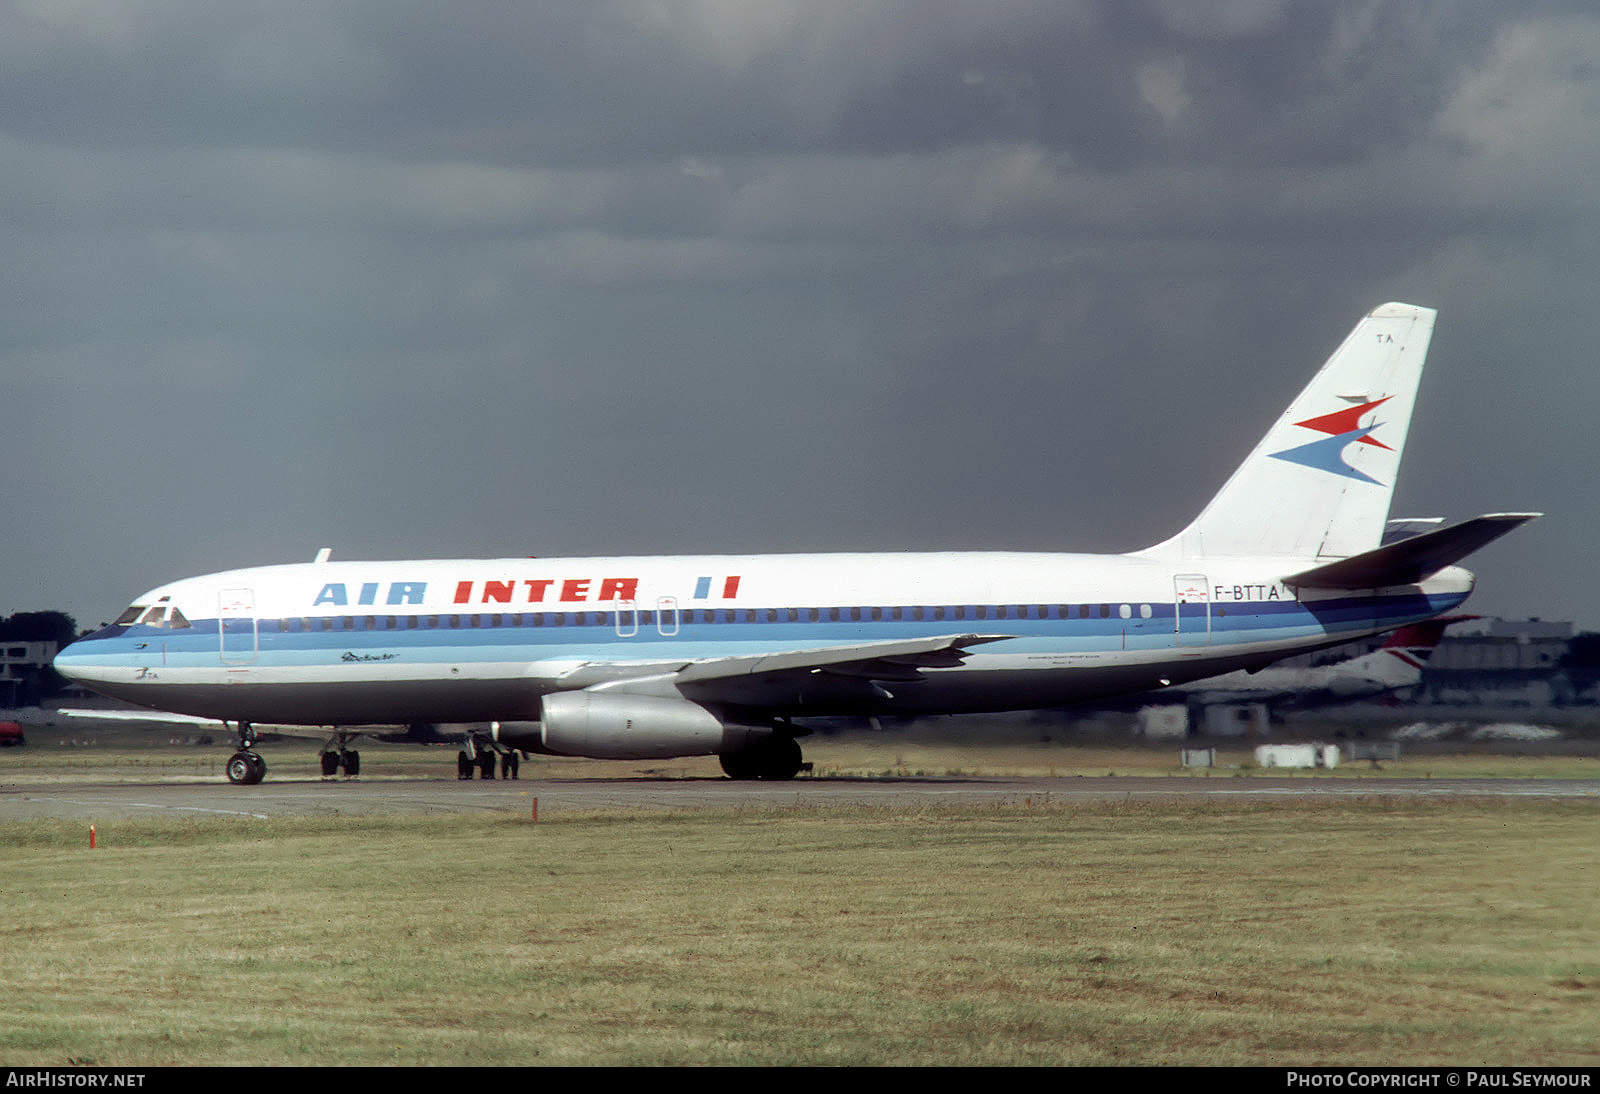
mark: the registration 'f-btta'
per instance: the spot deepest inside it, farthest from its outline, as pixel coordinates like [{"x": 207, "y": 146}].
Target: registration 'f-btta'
[{"x": 640, "y": 658}]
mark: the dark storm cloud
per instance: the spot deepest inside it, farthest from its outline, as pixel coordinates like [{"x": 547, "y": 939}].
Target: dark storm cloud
[{"x": 681, "y": 276}]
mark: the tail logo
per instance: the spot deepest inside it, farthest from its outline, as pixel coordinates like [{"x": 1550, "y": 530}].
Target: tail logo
[{"x": 1344, "y": 428}]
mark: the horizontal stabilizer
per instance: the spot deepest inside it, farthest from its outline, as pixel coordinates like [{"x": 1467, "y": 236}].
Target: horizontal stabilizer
[{"x": 1409, "y": 561}]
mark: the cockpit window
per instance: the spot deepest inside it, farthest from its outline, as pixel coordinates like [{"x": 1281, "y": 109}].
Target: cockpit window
[
  {"x": 178, "y": 622},
  {"x": 127, "y": 618},
  {"x": 154, "y": 616}
]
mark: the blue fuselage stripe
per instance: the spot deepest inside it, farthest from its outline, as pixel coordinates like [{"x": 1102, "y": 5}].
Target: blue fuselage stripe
[{"x": 711, "y": 632}]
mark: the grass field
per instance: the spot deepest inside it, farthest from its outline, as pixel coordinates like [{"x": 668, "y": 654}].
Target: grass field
[{"x": 1378, "y": 931}]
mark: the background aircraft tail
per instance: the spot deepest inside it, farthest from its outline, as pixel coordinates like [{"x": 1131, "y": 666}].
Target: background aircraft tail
[
  {"x": 1399, "y": 661},
  {"x": 1319, "y": 484}
]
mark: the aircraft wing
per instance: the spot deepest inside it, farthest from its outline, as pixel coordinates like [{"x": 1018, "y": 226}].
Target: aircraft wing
[
  {"x": 1408, "y": 561},
  {"x": 142, "y": 716},
  {"x": 754, "y": 678},
  {"x": 163, "y": 717},
  {"x": 866, "y": 660}
]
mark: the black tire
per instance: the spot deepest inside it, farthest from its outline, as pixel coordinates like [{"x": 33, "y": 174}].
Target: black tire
[
  {"x": 245, "y": 768},
  {"x": 775, "y": 758},
  {"x": 781, "y": 759},
  {"x": 330, "y": 764},
  {"x": 239, "y": 769},
  {"x": 352, "y": 762}
]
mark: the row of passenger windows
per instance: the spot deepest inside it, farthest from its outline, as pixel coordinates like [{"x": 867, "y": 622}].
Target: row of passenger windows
[{"x": 688, "y": 616}]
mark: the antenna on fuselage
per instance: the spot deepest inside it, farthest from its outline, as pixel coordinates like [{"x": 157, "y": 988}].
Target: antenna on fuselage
[{"x": 323, "y": 554}]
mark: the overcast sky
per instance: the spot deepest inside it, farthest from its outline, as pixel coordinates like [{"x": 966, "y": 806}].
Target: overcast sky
[{"x": 488, "y": 279}]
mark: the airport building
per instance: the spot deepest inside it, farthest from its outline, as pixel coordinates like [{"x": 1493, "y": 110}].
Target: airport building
[{"x": 22, "y": 666}]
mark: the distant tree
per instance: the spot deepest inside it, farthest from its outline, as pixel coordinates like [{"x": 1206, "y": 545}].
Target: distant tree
[
  {"x": 1583, "y": 652},
  {"x": 57, "y": 627}
]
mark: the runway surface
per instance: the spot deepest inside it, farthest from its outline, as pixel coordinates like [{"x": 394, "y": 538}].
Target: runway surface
[{"x": 90, "y": 800}]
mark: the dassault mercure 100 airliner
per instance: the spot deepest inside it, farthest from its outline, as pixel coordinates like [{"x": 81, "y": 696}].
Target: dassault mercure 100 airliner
[{"x": 646, "y": 658}]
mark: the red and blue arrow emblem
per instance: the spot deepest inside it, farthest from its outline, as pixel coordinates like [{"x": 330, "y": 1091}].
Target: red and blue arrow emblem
[{"x": 1344, "y": 428}]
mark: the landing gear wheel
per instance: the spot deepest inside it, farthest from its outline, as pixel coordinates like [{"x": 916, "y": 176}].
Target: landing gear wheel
[
  {"x": 246, "y": 768},
  {"x": 352, "y": 763},
  {"x": 739, "y": 765},
  {"x": 783, "y": 759},
  {"x": 330, "y": 764},
  {"x": 774, "y": 758}
]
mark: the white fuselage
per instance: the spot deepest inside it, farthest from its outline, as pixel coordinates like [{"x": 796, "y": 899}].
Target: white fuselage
[{"x": 349, "y": 643}]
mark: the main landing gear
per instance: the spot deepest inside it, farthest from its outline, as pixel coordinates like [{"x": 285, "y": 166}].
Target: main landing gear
[
  {"x": 477, "y": 754},
  {"x": 337, "y": 755},
  {"x": 245, "y": 767},
  {"x": 776, "y": 757}
]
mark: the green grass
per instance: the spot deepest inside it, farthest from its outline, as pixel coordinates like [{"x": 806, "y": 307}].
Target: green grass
[{"x": 1384, "y": 932}]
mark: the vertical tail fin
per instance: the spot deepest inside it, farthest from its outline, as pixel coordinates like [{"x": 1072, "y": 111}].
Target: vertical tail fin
[
  {"x": 1397, "y": 662},
  {"x": 1319, "y": 483}
]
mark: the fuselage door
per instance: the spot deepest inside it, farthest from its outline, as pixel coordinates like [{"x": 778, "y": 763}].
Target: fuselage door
[
  {"x": 667, "y": 615},
  {"x": 627, "y": 619},
  {"x": 236, "y": 618},
  {"x": 1191, "y": 602}
]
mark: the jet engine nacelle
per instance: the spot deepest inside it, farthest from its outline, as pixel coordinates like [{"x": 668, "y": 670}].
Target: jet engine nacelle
[{"x": 616, "y": 726}]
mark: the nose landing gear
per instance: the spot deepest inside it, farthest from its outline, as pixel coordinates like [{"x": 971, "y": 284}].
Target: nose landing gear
[{"x": 246, "y": 767}]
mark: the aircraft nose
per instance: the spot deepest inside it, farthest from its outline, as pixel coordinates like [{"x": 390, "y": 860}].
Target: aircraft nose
[
  {"x": 68, "y": 660},
  {"x": 77, "y": 661}
]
